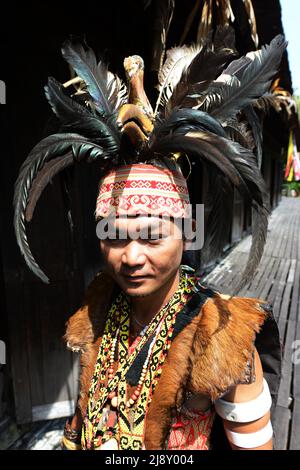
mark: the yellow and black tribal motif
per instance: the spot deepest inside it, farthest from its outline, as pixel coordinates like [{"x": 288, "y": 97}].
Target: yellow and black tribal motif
[{"x": 129, "y": 429}]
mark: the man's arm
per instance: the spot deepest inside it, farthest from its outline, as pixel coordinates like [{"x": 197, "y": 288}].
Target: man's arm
[{"x": 245, "y": 410}]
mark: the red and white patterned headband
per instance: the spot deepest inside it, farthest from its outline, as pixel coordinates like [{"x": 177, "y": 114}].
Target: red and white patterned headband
[{"x": 143, "y": 189}]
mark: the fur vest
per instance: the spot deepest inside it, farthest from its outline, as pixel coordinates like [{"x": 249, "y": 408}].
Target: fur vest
[{"x": 210, "y": 352}]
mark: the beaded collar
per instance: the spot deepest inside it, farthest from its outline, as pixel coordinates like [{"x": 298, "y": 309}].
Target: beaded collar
[{"x": 140, "y": 366}]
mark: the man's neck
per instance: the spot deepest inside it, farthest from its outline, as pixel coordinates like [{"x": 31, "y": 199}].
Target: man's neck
[{"x": 145, "y": 308}]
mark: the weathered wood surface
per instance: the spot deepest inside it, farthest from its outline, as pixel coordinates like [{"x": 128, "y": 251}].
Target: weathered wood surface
[
  {"x": 42, "y": 435},
  {"x": 277, "y": 280}
]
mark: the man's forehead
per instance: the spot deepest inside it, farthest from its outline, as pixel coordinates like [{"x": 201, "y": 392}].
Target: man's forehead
[
  {"x": 141, "y": 220},
  {"x": 142, "y": 226}
]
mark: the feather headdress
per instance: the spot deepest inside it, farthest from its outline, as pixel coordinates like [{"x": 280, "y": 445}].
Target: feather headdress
[{"x": 204, "y": 108}]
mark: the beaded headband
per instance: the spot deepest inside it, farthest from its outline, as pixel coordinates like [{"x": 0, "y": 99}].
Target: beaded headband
[{"x": 143, "y": 189}]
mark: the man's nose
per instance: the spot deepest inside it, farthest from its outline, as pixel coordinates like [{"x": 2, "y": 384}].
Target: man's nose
[{"x": 133, "y": 253}]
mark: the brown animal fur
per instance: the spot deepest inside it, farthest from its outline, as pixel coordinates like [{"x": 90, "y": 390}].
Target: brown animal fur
[
  {"x": 84, "y": 330},
  {"x": 210, "y": 353},
  {"x": 209, "y": 359}
]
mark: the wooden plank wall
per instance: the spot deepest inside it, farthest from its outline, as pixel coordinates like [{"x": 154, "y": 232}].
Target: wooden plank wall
[{"x": 41, "y": 369}]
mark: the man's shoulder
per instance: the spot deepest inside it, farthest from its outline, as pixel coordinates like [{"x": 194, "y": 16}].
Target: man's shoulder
[
  {"x": 225, "y": 340},
  {"x": 223, "y": 309},
  {"x": 85, "y": 326}
]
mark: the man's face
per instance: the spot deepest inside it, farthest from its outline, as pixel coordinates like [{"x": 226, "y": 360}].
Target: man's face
[{"x": 142, "y": 264}]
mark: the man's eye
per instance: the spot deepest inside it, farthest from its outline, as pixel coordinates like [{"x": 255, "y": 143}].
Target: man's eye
[
  {"x": 157, "y": 237},
  {"x": 114, "y": 241}
]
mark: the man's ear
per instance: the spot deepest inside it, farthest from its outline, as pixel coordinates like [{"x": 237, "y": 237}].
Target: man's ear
[{"x": 189, "y": 231}]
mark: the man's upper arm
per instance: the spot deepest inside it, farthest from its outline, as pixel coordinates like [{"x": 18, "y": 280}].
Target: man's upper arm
[{"x": 245, "y": 410}]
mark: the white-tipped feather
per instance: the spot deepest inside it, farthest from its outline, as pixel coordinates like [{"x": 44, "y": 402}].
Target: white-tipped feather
[
  {"x": 244, "y": 80},
  {"x": 177, "y": 61},
  {"x": 105, "y": 88},
  {"x": 117, "y": 90}
]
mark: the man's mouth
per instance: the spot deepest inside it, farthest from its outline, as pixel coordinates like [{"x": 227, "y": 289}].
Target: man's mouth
[{"x": 135, "y": 278}]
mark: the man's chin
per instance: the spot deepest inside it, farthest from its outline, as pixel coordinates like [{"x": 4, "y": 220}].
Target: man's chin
[
  {"x": 139, "y": 295},
  {"x": 141, "y": 291},
  {"x": 136, "y": 293}
]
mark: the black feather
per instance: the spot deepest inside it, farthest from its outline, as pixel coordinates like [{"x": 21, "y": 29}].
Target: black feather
[
  {"x": 220, "y": 215},
  {"x": 184, "y": 120},
  {"x": 204, "y": 68},
  {"x": 259, "y": 234},
  {"x": 257, "y": 132},
  {"x": 77, "y": 118},
  {"x": 236, "y": 162},
  {"x": 43, "y": 177},
  {"x": 239, "y": 166},
  {"x": 249, "y": 81},
  {"x": 237, "y": 67},
  {"x": 238, "y": 131},
  {"x": 106, "y": 90},
  {"x": 56, "y": 145}
]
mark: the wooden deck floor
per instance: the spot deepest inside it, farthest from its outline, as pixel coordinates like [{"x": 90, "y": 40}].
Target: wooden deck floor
[
  {"x": 278, "y": 281},
  {"x": 41, "y": 435}
]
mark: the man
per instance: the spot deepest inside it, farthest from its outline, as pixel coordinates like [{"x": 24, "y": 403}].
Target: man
[
  {"x": 161, "y": 354},
  {"x": 147, "y": 269}
]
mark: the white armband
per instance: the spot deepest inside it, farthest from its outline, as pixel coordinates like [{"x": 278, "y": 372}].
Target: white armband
[
  {"x": 245, "y": 411},
  {"x": 250, "y": 440}
]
